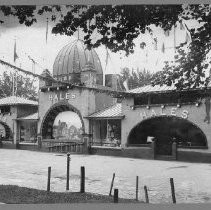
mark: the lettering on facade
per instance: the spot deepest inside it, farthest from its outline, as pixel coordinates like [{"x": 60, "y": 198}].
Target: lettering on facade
[
  {"x": 61, "y": 96},
  {"x": 172, "y": 112}
]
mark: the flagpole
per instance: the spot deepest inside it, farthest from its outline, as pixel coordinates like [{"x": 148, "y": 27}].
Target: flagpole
[
  {"x": 46, "y": 39},
  {"x": 106, "y": 63},
  {"x": 174, "y": 41}
]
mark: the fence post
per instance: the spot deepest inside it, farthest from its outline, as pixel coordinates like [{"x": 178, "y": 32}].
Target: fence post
[
  {"x": 172, "y": 190},
  {"x": 146, "y": 194},
  {"x": 49, "y": 179},
  {"x": 116, "y": 195},
  {"x": 112, "y": 183},
  {"x": 68, "y": 171},
  {"x": 82, "y": 179},
  {"x": 137, "y": 188}
]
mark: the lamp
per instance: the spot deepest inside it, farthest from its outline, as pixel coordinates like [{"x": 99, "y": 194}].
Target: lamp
[
  {"x": 132, "y": 107},
  {"x": 178, "y": 105}
]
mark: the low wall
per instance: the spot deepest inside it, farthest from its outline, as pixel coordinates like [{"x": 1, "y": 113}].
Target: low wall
[
  {"x": 193, "y": 156},
  {"x": 133, "y": 152},
  {"x": 27, "y": 146}
]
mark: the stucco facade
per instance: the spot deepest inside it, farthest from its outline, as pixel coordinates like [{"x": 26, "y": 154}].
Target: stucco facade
[{"x": 192, "y": 113}]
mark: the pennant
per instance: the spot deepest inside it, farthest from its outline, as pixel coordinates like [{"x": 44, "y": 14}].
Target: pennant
[
  {"x": 163, "y": 48},
  {"x": 15, "y": 53},
  {"x": 46, "y": 35},
  {"x": 155, "y": 43},
  {"x": 182, "y": 26},
  {"x": 166, "y": 33},
  {"x": 187, "y": 38},
  {"x": 125, "y": 83},
  {"x": 107, "y": 55}
]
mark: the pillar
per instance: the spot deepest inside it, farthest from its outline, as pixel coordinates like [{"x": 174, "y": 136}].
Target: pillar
[
  {"x": 174, "y": 150},
  {"x": 153, "y": 145},
  {"x": 15, "y": 133}
]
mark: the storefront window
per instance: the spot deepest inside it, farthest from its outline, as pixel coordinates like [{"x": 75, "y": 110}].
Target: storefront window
[{"x": 107, "y": 132}]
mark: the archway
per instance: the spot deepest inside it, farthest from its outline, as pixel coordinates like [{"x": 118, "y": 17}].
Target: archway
[
  {"x": 5, "y": 132},
  {"x": 165, "y": 130},
  {"x": 47, "y": 126}
]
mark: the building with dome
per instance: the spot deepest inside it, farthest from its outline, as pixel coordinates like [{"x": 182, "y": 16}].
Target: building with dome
[{"x": 153, "y": 122}]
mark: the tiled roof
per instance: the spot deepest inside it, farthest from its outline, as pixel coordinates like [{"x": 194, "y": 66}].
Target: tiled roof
[
  {"x": 150, "y": 88},
  {"x": 158, "y": 88},
  {"x": 14, "y": 100},
  {"x": 29, "y": 117},
  {"x": 114, "y": 111}
]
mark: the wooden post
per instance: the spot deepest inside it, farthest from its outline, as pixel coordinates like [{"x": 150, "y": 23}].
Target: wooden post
[
  {"x": 172, "y": 190},
  {"x": 68, "y": 171},
  {"x": 82, "y": 179},
  {"x": 137, "y": 188},
  {"x": 49, "y": 179},
  {"x": 112, "y": 183},
  {"x": 146, "y": 194},
  {"x": 116, "y": 195}
]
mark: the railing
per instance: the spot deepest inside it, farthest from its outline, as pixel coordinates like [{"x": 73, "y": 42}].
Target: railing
[
  {"x": 105, "y": 143},
  {"x": 63, "y": 146}
]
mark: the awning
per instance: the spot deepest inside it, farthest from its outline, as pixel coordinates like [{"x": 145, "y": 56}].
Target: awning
[
  {"x": 14, "y": 100},
  {"x": 112, "y": 112}
]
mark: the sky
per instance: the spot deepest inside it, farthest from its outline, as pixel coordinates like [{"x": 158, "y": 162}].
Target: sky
[
  {"x": 31, "y": 41},
  {"x": 71, "y": 118}
]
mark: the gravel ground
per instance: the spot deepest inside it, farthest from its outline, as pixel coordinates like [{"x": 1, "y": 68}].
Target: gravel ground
[{"x": 29, "y": 169}]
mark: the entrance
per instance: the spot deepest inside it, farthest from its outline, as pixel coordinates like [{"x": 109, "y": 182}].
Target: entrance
[
  {"x": 165, "y": 130},
  {"x": 5, "y": 132},
  {"x": 64, "y": 127}
]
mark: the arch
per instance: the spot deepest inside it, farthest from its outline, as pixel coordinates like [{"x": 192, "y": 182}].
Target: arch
[
  {"x": 48, "y": 119},
  {"x": 164, "y": 128},
  {"x": 8, "y": 131}
]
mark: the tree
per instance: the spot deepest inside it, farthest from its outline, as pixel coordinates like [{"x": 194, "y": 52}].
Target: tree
[
  {"x": 25, "y": 86},
  {"x": 118, "y": 25},
  {"x": 136, "y": 78}
]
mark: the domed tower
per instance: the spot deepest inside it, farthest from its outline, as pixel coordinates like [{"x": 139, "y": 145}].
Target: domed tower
[{"x": 73, "y": 59}]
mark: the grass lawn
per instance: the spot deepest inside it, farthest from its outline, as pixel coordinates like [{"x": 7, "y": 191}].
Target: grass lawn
[{"x": 12, "y": 194}]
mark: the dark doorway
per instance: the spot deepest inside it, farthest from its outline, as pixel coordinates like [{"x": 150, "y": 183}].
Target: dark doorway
[{"x": 165, "y": 130}]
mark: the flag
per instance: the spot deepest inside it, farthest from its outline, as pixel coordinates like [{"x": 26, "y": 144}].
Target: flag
[
  {"x": 46, "y": 35},
  {"x": 15, "y": 53},
  {"x": 163, "y": 48}
]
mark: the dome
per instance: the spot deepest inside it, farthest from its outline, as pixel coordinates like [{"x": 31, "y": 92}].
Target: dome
[{"x": 72, "y": 59}]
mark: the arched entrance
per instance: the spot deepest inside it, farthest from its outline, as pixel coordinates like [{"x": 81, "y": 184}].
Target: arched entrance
[
  {"x": 49, "y": 118},
  {"x": 165, "y": 130},
  {"x": 5, "y": 132}
]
